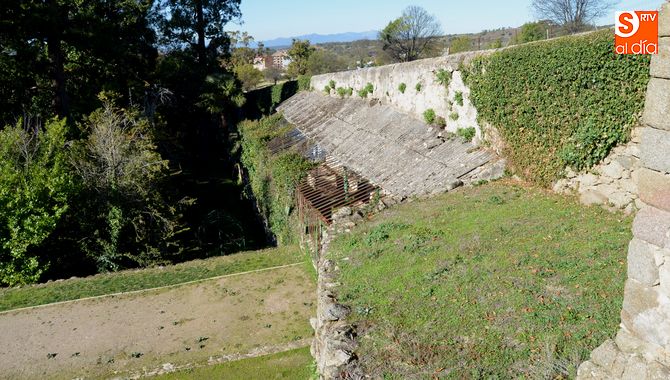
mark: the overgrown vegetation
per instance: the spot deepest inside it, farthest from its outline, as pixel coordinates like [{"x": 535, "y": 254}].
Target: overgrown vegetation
[
  {"x": 572, "y": 109},
  {"x": 467, "y": 133},
  {"x": 496, "y": 281},
  {"x": 36, "y": 187},
  {"x": 443, "y": 77},
  {"x": 272, "y": 177},
  {"x": 429, "y": 116},
  {"x": 304, "y": 82}
]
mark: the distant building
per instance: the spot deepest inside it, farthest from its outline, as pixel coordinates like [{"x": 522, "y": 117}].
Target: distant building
[
  {"x": 281, "y": 59},
  {"x": 262, "y": 62}
]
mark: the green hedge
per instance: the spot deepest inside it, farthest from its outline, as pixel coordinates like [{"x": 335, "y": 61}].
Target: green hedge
[
  {"x": 272, "y": 177},
  {"x": 562, "y": 102},
  {"x": 264, "y": 101}
]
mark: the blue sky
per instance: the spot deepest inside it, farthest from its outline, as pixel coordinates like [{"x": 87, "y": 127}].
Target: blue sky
[{"x": 268, "y": 19}]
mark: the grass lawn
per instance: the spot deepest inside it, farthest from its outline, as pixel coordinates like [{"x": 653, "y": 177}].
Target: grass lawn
[
  {"x": 12, "y": 298},
  {"x": 496, "y": 281},
  {"x": 294, "y": 365}
]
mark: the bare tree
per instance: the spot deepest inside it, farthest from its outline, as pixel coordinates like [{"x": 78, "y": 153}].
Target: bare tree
[
  {"x": 573, "y": 15},
  {"x": 411, "y": 35}
]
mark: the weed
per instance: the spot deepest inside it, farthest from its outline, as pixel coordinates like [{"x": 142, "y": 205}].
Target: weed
[
  {"x": 429, "y": 116},
  {"x": 402, "y": 87},
  {"x": 418, "y": 87},
  {"x": 458, "y": 98},
  {"x": 467, "y": 133}
]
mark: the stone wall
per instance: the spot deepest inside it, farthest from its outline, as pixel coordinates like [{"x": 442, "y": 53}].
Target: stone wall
[
  {"x": 433, "y": 95},
  {"x": 641, "y": 349},
  {"x": 612, "y": 183}
]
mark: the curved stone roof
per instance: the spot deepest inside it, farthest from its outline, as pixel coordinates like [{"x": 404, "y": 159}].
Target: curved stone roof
[{"x": 393, "y": 150}]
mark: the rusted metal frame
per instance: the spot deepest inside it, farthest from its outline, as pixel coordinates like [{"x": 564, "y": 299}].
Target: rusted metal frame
[{"x": 311, "y": 205}]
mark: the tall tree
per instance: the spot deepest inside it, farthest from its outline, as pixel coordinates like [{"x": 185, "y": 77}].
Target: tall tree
[
  {"x": 198, "y": 24},
  {"x": 76, "y": 48},
  {"x": 299, "y": 53},
  {"x": 573, "y": 15},
  {"x": 411, "y": 35}
]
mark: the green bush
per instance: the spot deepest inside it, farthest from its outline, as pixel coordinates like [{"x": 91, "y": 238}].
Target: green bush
[
  {"x": 349, "y": 91},
  {"x": 429, "y": 116},
  {"x": 327, "y": 89},
  {"x": 443, "y": 77},
  {"x": 368, "y": 89},
  {"x": 561, "y": 102},
  {"x": 36, "y": 186},
  {"x": 304, "y": 82},
  {"x": 402, "y": 87},
  {"x": 272, "y": 177},
  {"x": 332, "y": 84},
  {"x": 458, "y": 98},
  {"x": 418, "y": 87},
  {"x": 341, "y": 91},
  {"x": 466, "y": 133}
]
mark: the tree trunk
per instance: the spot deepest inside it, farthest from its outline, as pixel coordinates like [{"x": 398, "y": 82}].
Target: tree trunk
[{"x": 200, "y": 30}]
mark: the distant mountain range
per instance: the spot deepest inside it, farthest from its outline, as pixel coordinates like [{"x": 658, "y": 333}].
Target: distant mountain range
[{"x": 322, "y": 38}]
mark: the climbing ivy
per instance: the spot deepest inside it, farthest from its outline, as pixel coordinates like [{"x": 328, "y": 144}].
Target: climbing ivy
[
  {"x": 561, "y": 102},
  {"x": 272, "y": 177}
]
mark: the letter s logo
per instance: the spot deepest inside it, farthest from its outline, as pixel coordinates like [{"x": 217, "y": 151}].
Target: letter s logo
[{"x": 627, "y": 24}]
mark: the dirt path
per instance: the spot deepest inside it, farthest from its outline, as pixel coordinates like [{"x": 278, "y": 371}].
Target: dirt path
[{"x": 136, "y": 333}]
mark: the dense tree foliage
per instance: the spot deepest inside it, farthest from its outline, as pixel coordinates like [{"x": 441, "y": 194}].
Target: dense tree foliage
[
  {"x": 113, "y": 133},
  {"x": 300, "y": 52}
]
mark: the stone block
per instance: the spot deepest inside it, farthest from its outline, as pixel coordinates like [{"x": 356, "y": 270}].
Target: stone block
[
  {"x": 605, "y": 354},
  {"x": 591, "y": 197},
  {"x": 613, "y": 170},
  {"x": 586, "y": 179},
  {"x": 664, "y": 21},
  {"x": 657, "y": 104},
  {"x": 652, "y": 225},
  {"x": 638, "y": 298},
  {"x": 620, "y": 199},
  {"x": 654, "y": 188},
  {"x": 641, "y": 263},
  {"x": 657, "y": 371},
  {"x": 655, "y": 148},
  {"x": 660, "y": 63},
  {"x": 636, "y": 369}
]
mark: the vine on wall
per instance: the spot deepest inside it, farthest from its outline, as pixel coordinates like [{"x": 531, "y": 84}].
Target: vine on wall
[{"x": 565, "y": 102}]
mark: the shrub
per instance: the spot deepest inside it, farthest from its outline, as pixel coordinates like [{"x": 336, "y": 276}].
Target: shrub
[
  {"x": 368, "y": 89},
  {"x": 402, "y": 87},
  {"x": 440, "y": 122},
  {"x": 35, "y": 191},
  {"x": 331, "y": 83},
  {"x": 418, "y": 87},
  {"x": 349, "y": 91},
  {"x": 327, "y": 89},
  {"x": 429, "y": 116},
  {"x": 458, "y": 98},
  {"x": 341, "y": 91},
  {"x": 443, "y": 77},
  {"x": 127, "y": 221},
  {"x": 573, "y": 108},
  {"x": 466, "y": 133},
  {"x": 304, "y": 82},
  {"x": 453, "y": 116}
]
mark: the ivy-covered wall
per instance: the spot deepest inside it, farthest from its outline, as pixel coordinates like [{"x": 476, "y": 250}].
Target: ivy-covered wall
[
  {"x": 272, "y": 178},
  {"x": 558, "y": 103}
]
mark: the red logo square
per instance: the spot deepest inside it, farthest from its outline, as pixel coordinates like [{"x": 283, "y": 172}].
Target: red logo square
[{"x": 636, "y": 32}]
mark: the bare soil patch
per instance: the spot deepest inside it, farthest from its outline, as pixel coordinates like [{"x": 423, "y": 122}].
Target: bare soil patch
[{"x": 120, "y": 336}]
